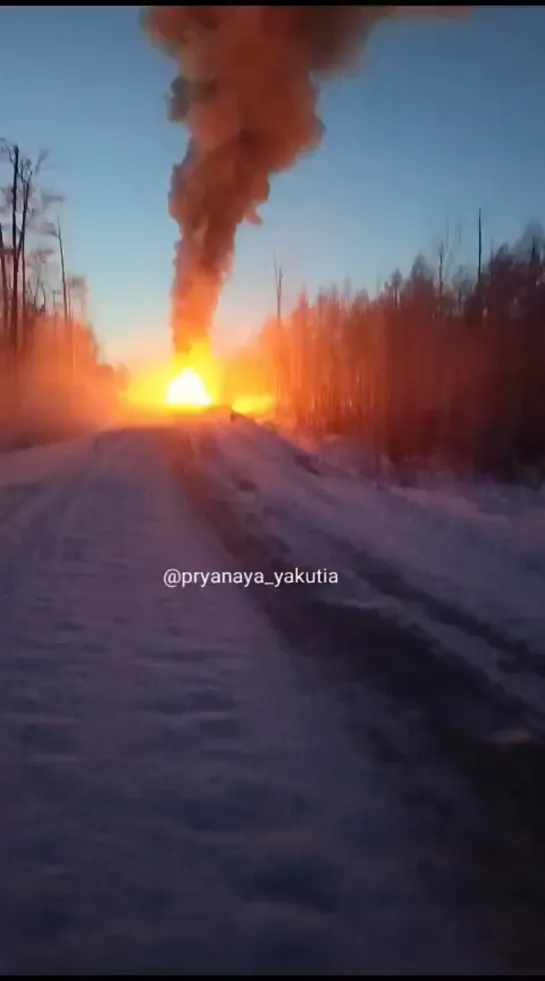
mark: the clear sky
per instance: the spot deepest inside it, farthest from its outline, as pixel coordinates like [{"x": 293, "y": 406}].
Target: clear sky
[{"x": 448, "y": 117}]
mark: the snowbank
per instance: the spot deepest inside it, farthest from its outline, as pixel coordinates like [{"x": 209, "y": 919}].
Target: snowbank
[{"x": 479, "y": 548}]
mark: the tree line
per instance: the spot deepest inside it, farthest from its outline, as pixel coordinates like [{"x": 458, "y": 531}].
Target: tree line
[
  {"x": 48, "y": 348},
  {"x": 444, "y": 366}
]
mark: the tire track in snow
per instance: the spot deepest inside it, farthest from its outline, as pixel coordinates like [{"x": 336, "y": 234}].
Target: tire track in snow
[{"x": 38, "y": 522}]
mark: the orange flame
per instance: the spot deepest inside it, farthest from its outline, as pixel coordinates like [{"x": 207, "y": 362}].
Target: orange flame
[{"x": 257, "y": 405}]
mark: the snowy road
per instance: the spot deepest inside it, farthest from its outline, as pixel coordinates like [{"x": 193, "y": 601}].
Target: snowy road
[{"x": 181, "y": 790}]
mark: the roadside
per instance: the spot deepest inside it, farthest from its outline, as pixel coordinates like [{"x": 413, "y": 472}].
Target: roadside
[{"x": 476, "y": 594}]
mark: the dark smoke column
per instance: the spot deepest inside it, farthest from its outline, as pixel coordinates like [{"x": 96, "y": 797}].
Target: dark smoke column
[{"x": 247, "y": 92}]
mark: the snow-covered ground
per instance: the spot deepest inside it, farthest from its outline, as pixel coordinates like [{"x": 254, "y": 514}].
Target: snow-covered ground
[
  {"x": 467, "y": 560},
  {"x": 176, "y": 797}
]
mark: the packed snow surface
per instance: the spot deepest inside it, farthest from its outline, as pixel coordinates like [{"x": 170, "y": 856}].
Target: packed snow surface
[{"x": 176, "y": 796}]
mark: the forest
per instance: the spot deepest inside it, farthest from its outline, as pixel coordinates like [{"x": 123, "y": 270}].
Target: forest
[
  {"x": 53, "y": 381},
  {"x": 443, "y": 367}
]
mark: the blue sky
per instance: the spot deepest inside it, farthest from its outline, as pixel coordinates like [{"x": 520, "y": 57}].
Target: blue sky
[{"x": 447, "y": 117}]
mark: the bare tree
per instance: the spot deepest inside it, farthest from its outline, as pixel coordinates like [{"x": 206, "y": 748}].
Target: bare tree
[{"x": 23, "y": 205}]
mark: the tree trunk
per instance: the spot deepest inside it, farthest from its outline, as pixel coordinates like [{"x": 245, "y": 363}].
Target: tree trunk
[
  {"x": 21, "y": 263},
  {"x": 4, "y": 282},
  {"x": 14, "y": 319},
  {"x": 67, "y": 325}
]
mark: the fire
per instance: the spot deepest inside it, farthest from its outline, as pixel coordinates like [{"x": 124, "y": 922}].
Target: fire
[
  {"x": 188, "y": 390},
  {"x": 258, "y": 405},
  {"x": 186, "y": 383}
]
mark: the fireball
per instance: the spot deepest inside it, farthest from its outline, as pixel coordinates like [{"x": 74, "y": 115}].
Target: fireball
[{"x": 188, "y": 390}]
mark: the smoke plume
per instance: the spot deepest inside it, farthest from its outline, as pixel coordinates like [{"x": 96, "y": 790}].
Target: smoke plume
[{"x": 247, "y": 92}]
